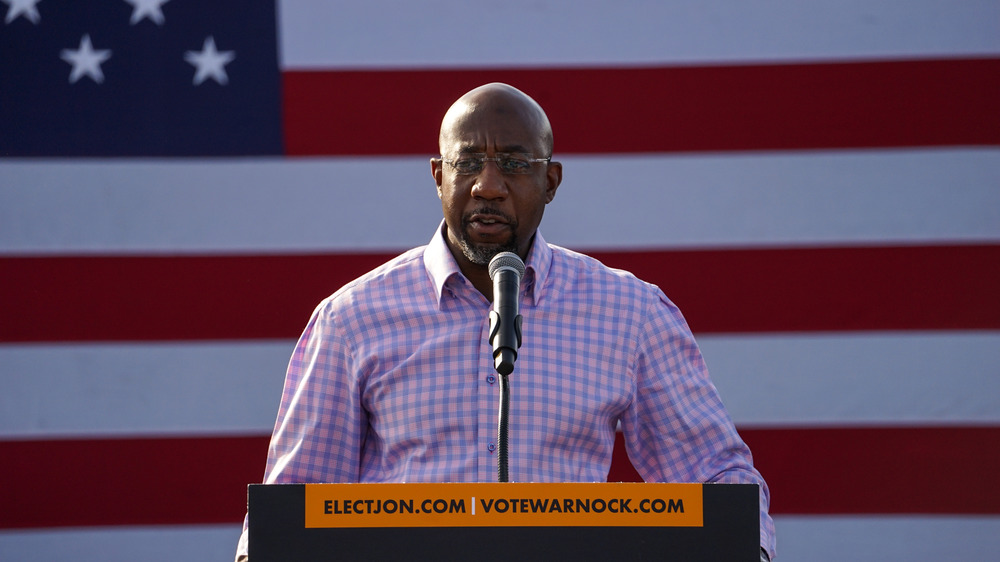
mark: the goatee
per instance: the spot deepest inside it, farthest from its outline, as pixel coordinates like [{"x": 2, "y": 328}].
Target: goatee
[{"x": 481, "y": 254}]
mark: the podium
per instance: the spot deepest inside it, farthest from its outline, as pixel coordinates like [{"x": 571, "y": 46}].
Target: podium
[{"x": 503, "y": 521}]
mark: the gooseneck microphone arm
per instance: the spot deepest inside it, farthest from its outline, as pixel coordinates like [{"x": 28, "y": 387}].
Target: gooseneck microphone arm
[
  {"x": 506, "y": 270},
  {"x": 502, "y": 430}
]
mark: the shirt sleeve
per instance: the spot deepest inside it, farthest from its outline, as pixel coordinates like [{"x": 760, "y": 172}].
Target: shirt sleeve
[
  {"x": 321, "y": 424},
  {"x": 677, "y": 428}
]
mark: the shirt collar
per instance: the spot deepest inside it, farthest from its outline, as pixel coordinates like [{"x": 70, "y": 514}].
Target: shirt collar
[
  {"x": 537, "y": 268},
  {"x": 439, "y": 262},
  {"x": 441, "y": 265}
]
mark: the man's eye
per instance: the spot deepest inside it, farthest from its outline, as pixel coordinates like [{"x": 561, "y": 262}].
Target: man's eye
[
  {"x": 514, "y": 164},
  {"x": 467, "y": 164}
]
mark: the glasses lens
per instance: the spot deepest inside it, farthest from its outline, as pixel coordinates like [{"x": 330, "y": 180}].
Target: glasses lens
[
  {"x": 515, "y": 164},
  {"x": 468, "y": 165}
]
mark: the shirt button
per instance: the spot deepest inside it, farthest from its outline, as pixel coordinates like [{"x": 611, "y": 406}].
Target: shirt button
[
  {"x": 491, "y": 379},
  {"x": 491, "y": 447}
]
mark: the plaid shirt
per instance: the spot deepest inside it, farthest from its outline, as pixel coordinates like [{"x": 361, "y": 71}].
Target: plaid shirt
[{"x": 393, "y": 381}]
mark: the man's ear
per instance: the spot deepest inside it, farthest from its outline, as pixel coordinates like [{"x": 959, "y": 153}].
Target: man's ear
[
  {"x": 554, "y": 177},
  {"x": 437, "y": 171}
]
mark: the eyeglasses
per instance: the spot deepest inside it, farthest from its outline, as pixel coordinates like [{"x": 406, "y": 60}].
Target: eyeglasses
[{"x": 472, "y": 164}]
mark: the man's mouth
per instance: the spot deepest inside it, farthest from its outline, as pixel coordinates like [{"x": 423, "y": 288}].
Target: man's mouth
[
  {"x": 487, "y": 216},
  {"x": 487, "y": 225}
]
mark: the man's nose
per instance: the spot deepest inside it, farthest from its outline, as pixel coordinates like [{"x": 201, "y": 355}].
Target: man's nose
[{"x": 491, "y": 183}]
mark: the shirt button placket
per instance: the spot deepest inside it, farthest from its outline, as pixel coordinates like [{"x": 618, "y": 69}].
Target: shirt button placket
[{"x": 489, "y": 394}]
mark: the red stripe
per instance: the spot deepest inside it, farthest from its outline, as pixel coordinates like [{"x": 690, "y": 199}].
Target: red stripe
[
  {"x": 827, "y": 289},
  {"x": 879, "y": 470},
  {"x": 155, "y": 481},
  {"x": 949, "y": 102},
  {"x": 247, "y": 297},
  {"x": 871, "y": 470},
  {"x": 168, "y": 298}
]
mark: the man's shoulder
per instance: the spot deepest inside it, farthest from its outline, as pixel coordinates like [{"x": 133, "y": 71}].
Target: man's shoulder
[
  {"x": 400, "y": 272},
  {"x": 584, "y": 278},
  {"x": 583, "y": 268}
]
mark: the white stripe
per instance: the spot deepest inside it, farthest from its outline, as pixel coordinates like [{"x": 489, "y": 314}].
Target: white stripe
[
  {"x": 126, "y": 206},
  {"x": 800, "y": 539},
  {"x": 457, "y": 33},
  {"x": 119, "y": 389},
  {"x": 366, "y": 204},
  {"x": 881, "y": 538},
  {"x": 191, "y": 543},
  {"x": 777, "y": 199},
  {"x": 858, "y": 378},
  {"x": 213, "y": 388}
]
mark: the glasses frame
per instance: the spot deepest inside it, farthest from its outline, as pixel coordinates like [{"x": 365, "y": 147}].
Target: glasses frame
[{"x": 483, "y": 159}]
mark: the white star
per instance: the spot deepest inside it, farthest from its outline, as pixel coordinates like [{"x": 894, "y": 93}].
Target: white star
[
  {"x": 210, "y": 62},
  {"x": 24, "y": 8},
  {"x": 147, "y": 8},
  {"x": 85, "y": 60}
]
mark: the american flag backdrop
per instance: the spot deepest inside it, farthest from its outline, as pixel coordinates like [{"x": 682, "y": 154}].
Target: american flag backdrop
[{"x": 816, "y": 184}]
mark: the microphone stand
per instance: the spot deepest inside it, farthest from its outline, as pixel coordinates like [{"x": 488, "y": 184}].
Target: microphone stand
[
  {"x": 502, "y": 430},
  {"x": 506, "y": 269},
  {"x": 504, "y": 368}
]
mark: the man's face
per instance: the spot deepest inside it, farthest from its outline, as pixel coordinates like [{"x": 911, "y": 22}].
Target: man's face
[{"x": 491, "y": 211}]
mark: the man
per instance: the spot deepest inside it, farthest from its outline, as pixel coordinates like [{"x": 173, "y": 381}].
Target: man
[{"x": 393, "y": 381}]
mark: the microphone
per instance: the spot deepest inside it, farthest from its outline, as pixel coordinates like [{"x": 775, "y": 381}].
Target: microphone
[{"x": 506, "y": 270}]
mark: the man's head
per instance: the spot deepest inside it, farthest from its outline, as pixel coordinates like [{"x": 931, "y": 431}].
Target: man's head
[{"x": 486, "y": 209}]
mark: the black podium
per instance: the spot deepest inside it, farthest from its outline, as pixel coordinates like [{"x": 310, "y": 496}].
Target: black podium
[{"x": 503, "y": 521}]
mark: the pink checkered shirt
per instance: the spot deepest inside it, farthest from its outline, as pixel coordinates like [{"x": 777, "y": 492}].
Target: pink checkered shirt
[{"x": 393, "y": 381}]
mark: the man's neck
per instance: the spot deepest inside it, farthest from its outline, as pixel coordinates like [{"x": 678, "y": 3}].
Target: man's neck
[{"x": 478, "y": 275}]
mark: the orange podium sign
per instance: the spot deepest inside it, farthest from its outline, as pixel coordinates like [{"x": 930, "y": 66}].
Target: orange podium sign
[{"x": 503, "y": 505}]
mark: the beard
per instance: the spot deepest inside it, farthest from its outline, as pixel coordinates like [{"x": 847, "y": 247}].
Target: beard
[{"x": 481, "y": 254}]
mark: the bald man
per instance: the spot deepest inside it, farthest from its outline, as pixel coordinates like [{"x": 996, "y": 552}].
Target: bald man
[
  {"x": 492, "y": 210},
  {"x": 393, "y": 381}
]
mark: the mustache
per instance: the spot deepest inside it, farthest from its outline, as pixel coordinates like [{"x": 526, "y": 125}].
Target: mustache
[{"x": 487, "y": 210}]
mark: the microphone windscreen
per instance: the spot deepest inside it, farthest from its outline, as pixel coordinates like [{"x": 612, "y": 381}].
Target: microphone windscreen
[{"x": 506, "y": 260}]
